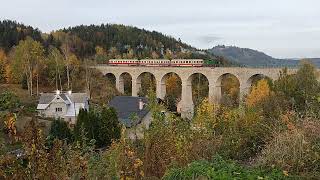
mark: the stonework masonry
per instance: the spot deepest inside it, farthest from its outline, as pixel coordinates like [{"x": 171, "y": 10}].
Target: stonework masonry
[{"x": 214, "y": 76}]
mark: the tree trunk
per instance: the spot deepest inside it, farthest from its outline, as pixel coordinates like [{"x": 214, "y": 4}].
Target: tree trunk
[
  {"x": 30, "y": 80},
  {"x": 56, "y": 77},
  {"x": 60, "y": 81},
  {"x": 37, "y": 80},
  {"x": 87, "y": 79},
  {"x": 68, "y": 75}
]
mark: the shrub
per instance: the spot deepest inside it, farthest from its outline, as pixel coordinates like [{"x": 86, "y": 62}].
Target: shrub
[
  {"x": 296, "y": 151},
  {"x": 220, "y": 169},
  {"x": 101, "y": 125},
  {"x": 8, "y": 101},
  {"x": 244, "y": 133},
  {"x": 59, "y": 129}
]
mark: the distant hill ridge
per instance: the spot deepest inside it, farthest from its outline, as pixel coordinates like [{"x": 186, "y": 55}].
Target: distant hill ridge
[{"x": 253, "y": 58}]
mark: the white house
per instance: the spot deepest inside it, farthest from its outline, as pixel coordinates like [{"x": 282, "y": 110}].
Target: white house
[{"x": 62, "y": 105}]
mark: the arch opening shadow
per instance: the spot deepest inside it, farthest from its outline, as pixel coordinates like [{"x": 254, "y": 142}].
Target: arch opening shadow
[
  {"x": 125, "y": 84},
  {"x": 171, "y": 89},
  {"x": 111, "y": 80},
  {"x": 146, "y": 82},
  {"x": 253, "y": 80},
  {"x": 200, "y": 87},
  {"x": 229, "y": 92}
]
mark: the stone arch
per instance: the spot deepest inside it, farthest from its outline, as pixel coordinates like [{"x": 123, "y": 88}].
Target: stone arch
[
  {"x": 175, "y": 91},
  {"x": 111, "y": 78},
  {"x": 125, "y": 83},
  {"x": 225, "y": 93},
  {"x": 144, "y": 82},
  {"x": 199, "y": 87}
]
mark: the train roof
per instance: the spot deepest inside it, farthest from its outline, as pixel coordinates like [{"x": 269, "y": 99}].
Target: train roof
[
  {"x": 188, "y": 59},
  {"x": 157, "y": 59}
]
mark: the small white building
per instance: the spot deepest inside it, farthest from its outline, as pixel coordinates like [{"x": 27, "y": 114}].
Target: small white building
[{"x": 62, "y": 105}]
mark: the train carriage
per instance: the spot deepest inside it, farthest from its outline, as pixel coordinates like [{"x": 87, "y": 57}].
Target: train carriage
[
  {"x": 187, "y": 62},
  {"x": 155, "y": 62},
  {"x": 123, "y": 62}
]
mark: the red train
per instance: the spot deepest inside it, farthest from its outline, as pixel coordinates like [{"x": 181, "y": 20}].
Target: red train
[{"x": 157, "y": 62}]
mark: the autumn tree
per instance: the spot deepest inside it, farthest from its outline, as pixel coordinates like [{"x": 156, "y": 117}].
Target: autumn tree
[
  {"x": 205, "y": 118},
  {"x": 154, "y": 55},
  {"x": 28, "y": 56},
  {"x": 230, "y": 90},
  {"x": 173, "y": 91},
  {"x": 74, "y": 68},
  {"x": 147, "y": 83},
  {"x": 55, "y": 67},
  {"x": 200, "y": 88},
  {"x": 3, "y": 66},
  {"x": 301, "y": 89},
  {"x": 101, "y": 55},
  {"x": 258, "y": 93},
  {"x": 67, "y": 53},
  {"x": 168, "y": 54}
]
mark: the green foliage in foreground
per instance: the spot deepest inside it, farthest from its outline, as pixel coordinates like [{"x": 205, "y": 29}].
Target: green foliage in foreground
[
  {"x": 102, "y": 125},
  {"x": 220, "y": 169},
  {"x": 60, "y": 130},
  {"x": 8, "y": 101}
]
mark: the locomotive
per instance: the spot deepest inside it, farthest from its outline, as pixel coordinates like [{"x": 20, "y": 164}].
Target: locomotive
[{"x": 157, "y": 62}]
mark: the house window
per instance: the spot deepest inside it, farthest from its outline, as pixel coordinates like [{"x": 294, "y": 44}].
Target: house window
[{"x": 58, "y": 109}]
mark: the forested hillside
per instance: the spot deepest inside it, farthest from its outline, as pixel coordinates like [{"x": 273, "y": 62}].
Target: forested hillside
[
  {"x": 105, "y": 41},
  {"x": 124, "y": 38},
  {"x": 12, "y": 32}
]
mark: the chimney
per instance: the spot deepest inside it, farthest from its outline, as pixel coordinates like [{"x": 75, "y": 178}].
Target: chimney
[{"x": 140, "y": 104}]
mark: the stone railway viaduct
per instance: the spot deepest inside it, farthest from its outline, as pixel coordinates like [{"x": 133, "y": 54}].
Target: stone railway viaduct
[{"x": 214, "y": 76}]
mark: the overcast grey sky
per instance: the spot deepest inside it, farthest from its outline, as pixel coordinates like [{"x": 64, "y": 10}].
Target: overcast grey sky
[{"x": 281, "y": 28}]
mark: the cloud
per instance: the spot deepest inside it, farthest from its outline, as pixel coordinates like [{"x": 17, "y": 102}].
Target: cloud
[{"x": 208, "y": 40}]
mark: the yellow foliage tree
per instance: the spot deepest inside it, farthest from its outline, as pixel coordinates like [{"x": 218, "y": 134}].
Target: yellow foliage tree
[
  {"x": 154, "y": 55},
  {"x": 205, "y": 118},
  {"x": 173, "y": 85},
  {"x": 10, "y": 124},
  {"x": 168, "y": 54},
  {"x": 3, "y": 65},
  {"x": 258, "y": 93},
  {"x": 100, "y": 50}
]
